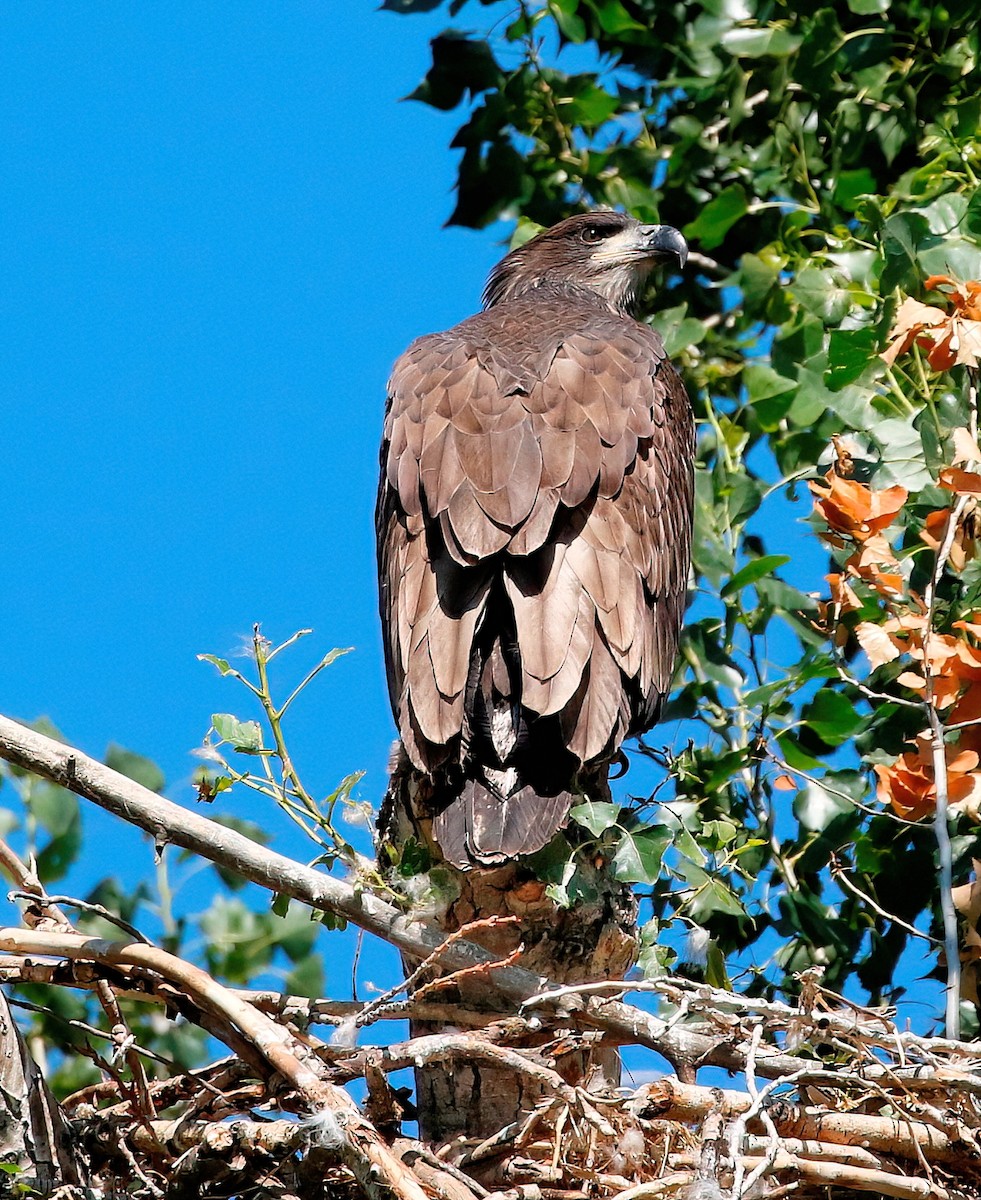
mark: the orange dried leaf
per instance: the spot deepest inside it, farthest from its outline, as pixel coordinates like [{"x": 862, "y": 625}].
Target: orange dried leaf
[
  {"x": 909, "y": 787},
  {"x": 949, "y": 337},
  {"x": 969, "y": 627},
  {"x": 909, "y": 679},
  {"x": 905, "y": 623},
  {"x": 854, "y": 509},
  {"x": 966, "y": 449},
  {"x": 912, "y": 318},
  {"x": 964, "y": 546},
  {"x": 967, "y": 897},
  {"x": 878, "y": 645},
  {"x": 909, "y": 792},
  {"x": 968, "y": 708},
  {"x": 965, "y": 295},
  {"x": 784, "y": 783},
  {"x": 868, "y": 562},
  {"x": 842, "y": 594},
  {"x": 964, "y": 483}
]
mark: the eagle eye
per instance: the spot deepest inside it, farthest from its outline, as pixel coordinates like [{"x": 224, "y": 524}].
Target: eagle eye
[{"x": 596, "y": 233}]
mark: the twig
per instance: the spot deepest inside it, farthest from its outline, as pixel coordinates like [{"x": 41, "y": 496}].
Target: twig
[
  {"x": 366, "y": 1154},
  {"x": 30, "y": 887},
  {"x": 168, "y": 822},
  {"x": 839, "y": 874},
  {"x": 97, "y": 910},
  {"x": 494, "y": 922},
  {"x": 938, "y": 749},
  {"x": 457, "y": 977},
  {"x": 675, "y": 1100}
]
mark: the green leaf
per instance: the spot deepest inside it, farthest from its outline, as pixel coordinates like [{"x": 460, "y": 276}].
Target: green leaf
[
  {"x": 820, "y": 293},
  {"x": 588, "y": 106},
  {"x": 816, "y": 808},
  {"x": 678, "y": 331},
  {"x": 570, "y": 885},
  {"x": 415, "y": 858},
  {"x": 762, "y": 382},
  {"x": 55, "y": 809},
  {"x": 307, "y": 977},
  {"x": 850, "y": 351},
  {"x": 715, "y": 220},
  {"x": 570, "y": 24},
  {"x": 713, "y": 898},
  {"x": 717, "y": 835},
  {"x": 757, "y": 277},
  {"x": 753, "y": 571},
  {"x": 614, "y": 18},
  {"x": 716, "y": 974},
  {"x": 655, "y": 959},
  {"x": 832, "y": 716},
  {"x": 759, "y": 41},
  {"x": 850, "y": 185},
  {"x": 223, "y": 665},
  {"x": 638, "y": 857},
  {"x": 136, "y": 767},
  {"x": 902, "y": 459},
  {"x": 784, "y": 596},
  {"x": 461, "y": 66},
  {"x": 595, "y": 815},
  {"x": 242, "y": 735},
  {"x": 901, "y": 236}
]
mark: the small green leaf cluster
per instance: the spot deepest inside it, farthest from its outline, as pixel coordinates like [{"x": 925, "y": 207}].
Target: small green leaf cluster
[
  {"x": 276, "y": 777},
  {"x": 43, "y": 824}
]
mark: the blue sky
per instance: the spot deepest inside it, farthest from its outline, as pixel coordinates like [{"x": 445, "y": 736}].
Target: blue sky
[{"x": 219, "y": 228}]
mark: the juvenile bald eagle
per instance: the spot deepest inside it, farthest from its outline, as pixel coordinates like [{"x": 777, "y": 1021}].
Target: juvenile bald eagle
[{"x": 534, "y": 528}]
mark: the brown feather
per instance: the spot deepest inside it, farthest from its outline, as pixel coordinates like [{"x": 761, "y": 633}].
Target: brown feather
[{"x": 534, "y": 524}]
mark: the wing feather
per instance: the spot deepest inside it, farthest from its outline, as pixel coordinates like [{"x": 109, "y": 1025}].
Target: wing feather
[{"x": 549, "y": 449}]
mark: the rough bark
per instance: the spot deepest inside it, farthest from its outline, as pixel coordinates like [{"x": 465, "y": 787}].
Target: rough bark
[
  {"x": 34, "y": 1135},
  {"x": 593, "y": 940}
]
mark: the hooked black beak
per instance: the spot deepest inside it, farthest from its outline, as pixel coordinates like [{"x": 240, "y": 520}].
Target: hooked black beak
[{"x": 666, "y": 242}]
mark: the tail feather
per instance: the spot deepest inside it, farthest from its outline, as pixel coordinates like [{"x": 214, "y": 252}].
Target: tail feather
[{"x": 479, "y": 828}]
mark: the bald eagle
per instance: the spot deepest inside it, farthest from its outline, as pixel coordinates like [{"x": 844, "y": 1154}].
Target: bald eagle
[{"x": 534, "y": 528}]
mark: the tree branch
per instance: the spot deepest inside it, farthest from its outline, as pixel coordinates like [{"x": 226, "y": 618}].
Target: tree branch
[{"x": 169, "y": 823}]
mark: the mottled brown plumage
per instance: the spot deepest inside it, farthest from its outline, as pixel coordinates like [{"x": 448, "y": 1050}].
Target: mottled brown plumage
[{"x": 534, "y": 527}]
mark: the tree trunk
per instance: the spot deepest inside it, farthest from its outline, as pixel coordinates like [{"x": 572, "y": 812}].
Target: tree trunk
[
  {"x": 592, "y": 940},
  {"x": 34, "y": 1134}
]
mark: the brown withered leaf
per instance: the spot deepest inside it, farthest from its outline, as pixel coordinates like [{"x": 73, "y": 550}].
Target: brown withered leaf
[
  {"x": 965, "y": 295},
  {"x": 842, "y": 594},
  {"x": 871, "y": 562},
  {"x": 966, "y": 449},
  {"x": 879, "y": 646},
  {"x": 951, "y": 337},
  {"x": 964, "y": 546},
  {"x": 909, "y": 787},
  {"x": 967, "y": 897},
  {"x": 964, "y": 483},
  {"x": 853, "y": 508},
  {"x": 911, "y": 321}
]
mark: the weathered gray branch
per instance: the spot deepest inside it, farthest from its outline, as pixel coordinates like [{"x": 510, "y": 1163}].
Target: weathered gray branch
[{"x": 169, "y": 823}]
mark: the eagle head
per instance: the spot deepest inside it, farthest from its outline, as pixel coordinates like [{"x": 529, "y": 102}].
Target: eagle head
[{"x": 607, "y": 252}]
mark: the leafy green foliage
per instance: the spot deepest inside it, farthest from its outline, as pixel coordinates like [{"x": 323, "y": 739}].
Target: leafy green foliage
[
  {"x": 239, "y": 946},
  {"x": 822, "y": 160}
]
